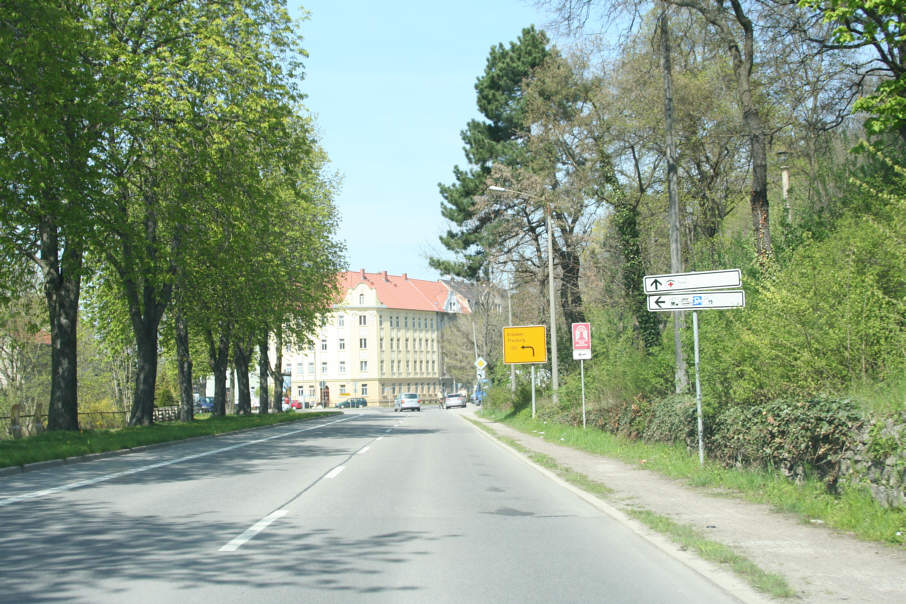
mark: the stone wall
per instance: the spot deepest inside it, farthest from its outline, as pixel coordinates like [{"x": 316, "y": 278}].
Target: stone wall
[{"x": 877, "y": 460}]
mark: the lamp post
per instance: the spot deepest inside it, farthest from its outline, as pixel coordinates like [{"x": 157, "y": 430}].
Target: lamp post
[{"x": 555, "y": 381}]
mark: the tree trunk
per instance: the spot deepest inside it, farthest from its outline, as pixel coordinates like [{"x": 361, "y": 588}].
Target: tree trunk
[
  {"x": 680, "y": 379},
  {"x": 263, "y": 370},
  {"x": 218, "y": 358},
  {"x": 277, "y": 371},
  {"x": 62, "y": 286},
  {"x": 571, "y": 295},
  {"x": 242, "y": 353},
  {"x": 146, "y": 376},
  {"x": 184, "y": 368},
  {"x": 626, "y": 222}
]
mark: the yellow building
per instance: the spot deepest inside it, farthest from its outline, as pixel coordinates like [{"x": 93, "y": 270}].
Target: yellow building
[{"x": 382, "y": 339}]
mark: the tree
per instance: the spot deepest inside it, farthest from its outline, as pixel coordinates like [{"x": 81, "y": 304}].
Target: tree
[
  {"x": 54, "y": 109},
  {"x": 499, "y": 139},
  {"x": 876, "y": 25}
]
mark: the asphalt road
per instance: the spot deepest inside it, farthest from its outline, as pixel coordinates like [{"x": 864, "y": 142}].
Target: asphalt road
[{"x": 372, "y": 506}]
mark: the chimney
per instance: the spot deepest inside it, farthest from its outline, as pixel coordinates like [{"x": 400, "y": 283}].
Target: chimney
[
  {"x": 384, "y": 275},
  {"x": 363, "y": 273},
  {"x": 405, "y": 276}
]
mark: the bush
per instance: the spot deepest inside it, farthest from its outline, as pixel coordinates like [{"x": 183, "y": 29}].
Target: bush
[
  {"x": 673, "y": 420},
  {"x": 794, "y": 436}
]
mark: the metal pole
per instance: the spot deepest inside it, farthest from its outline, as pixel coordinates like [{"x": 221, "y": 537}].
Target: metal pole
[
  {"x": 555, "y": 382},
  {"x": 533, "y": 392},
  {"x": 582, "y": 369},
  {"x": 698, "y": 391},
  {"x": 509, "y": 303}
]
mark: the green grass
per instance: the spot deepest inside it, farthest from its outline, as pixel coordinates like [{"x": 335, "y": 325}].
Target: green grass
[
  {"x": 684, "y": 535},
  {"x": 66, "y": 444},
  {"x": 853, "y": 509}
]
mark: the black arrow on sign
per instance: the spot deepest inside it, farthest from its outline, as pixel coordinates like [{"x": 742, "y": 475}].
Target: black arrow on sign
[
  {"x": 532, "y": 347},
  {"x": 659, "y": 302},
  {"x": 655, "y": 283}
]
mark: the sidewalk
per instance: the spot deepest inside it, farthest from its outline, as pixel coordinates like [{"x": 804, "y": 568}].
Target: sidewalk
[{"x": 820, "y": 564}]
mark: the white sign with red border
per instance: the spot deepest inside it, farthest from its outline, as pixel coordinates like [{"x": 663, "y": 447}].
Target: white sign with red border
[{"x": 581, "y": 341}]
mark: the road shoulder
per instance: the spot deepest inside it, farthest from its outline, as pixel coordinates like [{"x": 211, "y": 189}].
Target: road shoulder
[{"x": 820, "y": 564}]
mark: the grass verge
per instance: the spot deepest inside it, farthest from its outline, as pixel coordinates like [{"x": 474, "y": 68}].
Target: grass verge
[
  {"x": 853, "y": 509},
  {"x": 66, "y": 444},
  {"x": 684, "y": 535}
]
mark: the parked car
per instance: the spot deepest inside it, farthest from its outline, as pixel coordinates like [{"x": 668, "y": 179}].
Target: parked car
[
  {"x": 352, "y": 403},
  {"x": 454, "y": 400},
  {"x": 204, "y": 404},
  {"x": 407, "y": 401},
  {"x": 294, "y": 404}
]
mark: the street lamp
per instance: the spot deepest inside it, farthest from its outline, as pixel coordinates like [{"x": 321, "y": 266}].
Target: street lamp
[{"x": 555, "y": 382}]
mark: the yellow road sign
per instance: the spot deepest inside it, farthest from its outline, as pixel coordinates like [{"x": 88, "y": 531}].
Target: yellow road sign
[{"x": 525, "y": 344}]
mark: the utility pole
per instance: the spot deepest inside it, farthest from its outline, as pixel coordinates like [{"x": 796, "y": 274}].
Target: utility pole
[
  {"x": 555, "y": 381},
  {"x": 681, "y": 380}
]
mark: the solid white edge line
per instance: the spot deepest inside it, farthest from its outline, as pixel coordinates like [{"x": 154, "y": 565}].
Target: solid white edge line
[
  {"x": 250, "y": 532},
  {"x": 335, "y": 472},
  {"x": 4, "y": 501},
  {"x": 364, "y": 450}
]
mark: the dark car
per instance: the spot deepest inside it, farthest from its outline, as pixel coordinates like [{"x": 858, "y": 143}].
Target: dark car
[
  {"x": 352, "y": 403},
  {"x": 204, "y": 404}
]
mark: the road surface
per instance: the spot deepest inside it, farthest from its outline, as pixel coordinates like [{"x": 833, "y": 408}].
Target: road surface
[{"x": 371, "y": 506}]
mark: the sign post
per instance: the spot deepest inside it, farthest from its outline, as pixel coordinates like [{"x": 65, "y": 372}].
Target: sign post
[
  {"x": 524, "y": 345},
  {"x": 703, "y": 290},
  {"x": 582, "y": 351}
]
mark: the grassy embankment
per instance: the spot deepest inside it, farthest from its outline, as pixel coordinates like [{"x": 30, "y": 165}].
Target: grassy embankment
[
  {"x": 853, "y": 509},
  {"x": 65, "y": 444}
]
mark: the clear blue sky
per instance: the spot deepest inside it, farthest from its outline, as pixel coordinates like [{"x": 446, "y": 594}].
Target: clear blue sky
[{"x": 391, "y": 84}]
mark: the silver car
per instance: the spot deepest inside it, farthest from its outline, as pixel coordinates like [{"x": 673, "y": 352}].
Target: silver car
[
  {"x": 454, "y": 400},
  {"x": 407, "y": 401}
]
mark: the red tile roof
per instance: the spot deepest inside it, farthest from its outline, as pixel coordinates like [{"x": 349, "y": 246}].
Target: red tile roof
[{"x": 400, "y": 291}]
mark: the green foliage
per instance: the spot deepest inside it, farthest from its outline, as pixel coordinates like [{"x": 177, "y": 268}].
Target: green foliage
[
  {"x": 879, "y": 25},
  {"x": 497, "y": 139},
  {"x": 794, "y": 436}
]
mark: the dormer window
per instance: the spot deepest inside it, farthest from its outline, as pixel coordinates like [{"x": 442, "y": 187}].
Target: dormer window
[{"x": 361, "y": 298}]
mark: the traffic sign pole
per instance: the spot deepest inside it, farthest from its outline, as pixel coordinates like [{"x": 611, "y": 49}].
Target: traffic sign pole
[
  {"x": 533, "y": 392},
  {"x": 698, "y": 392},
  {"x": 582, "y": 368}
]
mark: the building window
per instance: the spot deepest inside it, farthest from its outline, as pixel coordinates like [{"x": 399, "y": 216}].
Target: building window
[
  {"x": 382, "y": 343},
  {"x": 363, "y": 342},
  {"x": 363, "y": 366},
  {"x": 311, "y": 367},
  {"x": 398, "y": 344},
  {"x": 361, "y": 298},
  {"x": 406, "y": 322},
  {"x": 397, "y": 321},
  {"x": 323, "y": 344},
  {"x": 299, "y": 391},
  {"x": 407, "y": 366},
  {"x": 391, "y": 343},
  {"x": 342, "y": 366},
  {"x": 323, "y": 368},
  {"x": 364, "y": 389},
  {"x": 342, "y": 388},
  {"x": 341, "y": 321},
  {"x": 407, "y": 343},
  {"x": 363, "y": 320},
  {"x": 382, "y": 367},
  {"x": 342, "y": 344},
  {"x": 311, "y": 390},
  {"x": 299, "y": 367}
]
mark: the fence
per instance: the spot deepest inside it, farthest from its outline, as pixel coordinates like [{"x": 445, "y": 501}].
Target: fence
[{"x": 88, "y": 420}]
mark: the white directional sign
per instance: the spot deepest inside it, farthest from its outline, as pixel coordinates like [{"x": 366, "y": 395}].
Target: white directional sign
[
  {"x": 682, "y": 282},
  {"x": 697, "y": 300}
]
